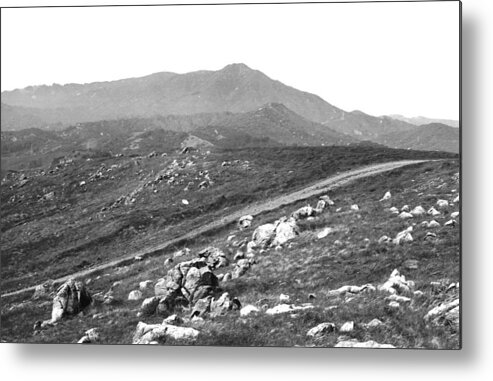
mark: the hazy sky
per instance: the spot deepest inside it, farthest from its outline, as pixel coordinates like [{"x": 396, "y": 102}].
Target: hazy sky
[{"x": 394, "y": 58}]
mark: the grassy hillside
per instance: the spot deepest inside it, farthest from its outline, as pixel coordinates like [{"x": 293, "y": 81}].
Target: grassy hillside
[{"x": 306, "y": 270}]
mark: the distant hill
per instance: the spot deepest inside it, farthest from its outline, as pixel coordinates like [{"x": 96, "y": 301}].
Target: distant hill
[
  {"x": 420, "y": 120},
  {"x": 232, "y": 99},
  {"x": 428, "y": 137}
]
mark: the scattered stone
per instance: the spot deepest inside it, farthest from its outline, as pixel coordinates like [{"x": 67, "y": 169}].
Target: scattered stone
[
  {"x": 283, "y": 298},
  {"x": 384, "y": 239},
  {"x": 374, "y": 323},
  {"x": 405, "y": 208},
  {"x": 454, "y": 214},
  {"x": 418, "y": 211},
  {"x": 91, "y": 336},
  {"x": 145, "y": 285},
  {"x": 185, "y": 202},
  {"x": 321, "y": 329},
  {"x": 394, "y": 304},
  {"x": 411, "y": 264},
  {"x": 135, "y": 295},
  {"x": 405, "y": 215},
  {"x": 148, "y": 333},
  {"x": 386, "y": 196},
  {"x": 457, "y": 199},
  {"x": 433, "y": 224},
  {"x": 283, "y": 308},
  {"x": 347, "y": 327},
  {"x": 367, "y": 344},
  {"x": 397, "y": 284},
  {"x": 249, "y": 309},
  {"x": 324, "y": 232},
  {"x": 149, "y": 305},
  {"x": 433, "y": 212},
  {"x": 394, "y": 210},
  {"x": 303, "y": 212},
  {"x": 245, "y": 221},
  {"x": 442, "y": 203},
  {"x": 354, "y": 207},
  {"x": 403, "y": 236},
  {"x": 451, "y": 223}
]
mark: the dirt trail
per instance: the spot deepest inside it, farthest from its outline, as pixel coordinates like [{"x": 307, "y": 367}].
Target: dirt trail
[{"x": 320, "y": 187}]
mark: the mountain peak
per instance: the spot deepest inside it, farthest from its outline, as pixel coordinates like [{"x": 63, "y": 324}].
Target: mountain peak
[{"x": 236, "y": 66}]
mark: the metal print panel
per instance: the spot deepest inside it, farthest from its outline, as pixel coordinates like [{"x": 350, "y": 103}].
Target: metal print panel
[{"x": 232, "y": 175}]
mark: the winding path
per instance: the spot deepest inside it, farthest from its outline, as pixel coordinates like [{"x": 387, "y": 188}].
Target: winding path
[{"x": 315, "y": 189}]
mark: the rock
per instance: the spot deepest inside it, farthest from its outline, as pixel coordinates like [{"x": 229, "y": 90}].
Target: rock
[
  {"x": 374, "y": 323},
  {"x": 263, "y": 235},
  {"x": 418, "y": 293},
  {"x": 405, "y": 215},
  {"x": 283, "y": 298},
  {"x": 433, "y": 224},
  {"x": 321, "y": 329},
  {"x": 149, "y": 305},
  {"x": 410, "y": 264},
  {"x": 442, "y": 203},
  {"x": 249, "y": 309},
  {"x": 135, "y": 295},
  {"x": 214, "y": 257},
  {"x": 227, "y": 277},
  {"x": 286, "y": 230},
  {"x": 168, "y": 262},
  {"x": 394, "y": 210},
  {"x": 181, "y": 253},
  {"x": 324, "y": 232},
  {"x": 201, "y": 307},
  {"x": 245, "y": 221},
  {"x": 418, "y": 211},
  {"x": 173, "y": 319},
  {"x": 283, "y": 308},
  {"x": 321, "y": 204},
  {"x": 384, "y": 239},
  {"x": 433, "y": 212},
  {"x": 224, "y": 304},
  {"x": 148, "y": 333},
  {"x": 386, "y": 196},
  {"x": 454, "y": 214},
  {"x": 405, "y": 208},
  {"x": 91, "y": 336},
  {"x": 239, "y": 255},
  {"x": 302, "y": 213},
  {"x": 430, "y": 236},
  {"x": 354, "y": 207},
  {"x": 145, "y": 285},
  {"x": 397, "y": 284},
  {"x": 241, "y": 267},
  {"x": 456, "y": 199},
  {"x": 353, "y": 290},
  {"x": 451, "y": 223},
  {"x": 403, "y": 236},
  {"x": 398, "y": 298},
  {"x": 185, "y": 202},
  {"x": 327, "y": 200},
  {"x": 71, "y": 298},
  {"x": 394, "y": 304},
  {"x": 347, "y": 327},
  {"x": 367, "y": 344}
]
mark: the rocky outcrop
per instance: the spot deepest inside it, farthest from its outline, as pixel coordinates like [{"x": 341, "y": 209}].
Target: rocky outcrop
[{"x": 71, "y": 298}]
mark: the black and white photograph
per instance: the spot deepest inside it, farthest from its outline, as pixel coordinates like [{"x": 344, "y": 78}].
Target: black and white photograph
[{"x": 232, "y": 175}]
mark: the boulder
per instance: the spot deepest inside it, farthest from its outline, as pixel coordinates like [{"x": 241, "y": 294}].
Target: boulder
[
  {"x": 321, "y": 204},
  {"x": 245, "y": 221},
  {"x": 283, "y": 298},
  {"x": 433, "y": 212},
  {"x": 224, "y": 304},
  {"x": 324, "y": 232},
  {"x": 405, "y": 208},
  {"x": 354, "y": 207},
  {"x": 302, "y": 213},
  {"x": 249, "y": 309},
  {"x": 433, "y": 224},
  {"x": 214, "y": 257},
  {"x": 286, "y": 230},
  {"x": 135, "y": 295},
  {"x": 403, "y": 236},
  {"x": 454, "y": 214},
  {"x": 374, "y": 323},
  {"x": 91, "y": 336},
  {"x": 442, "y": 203},
  {"x": 456, "y": 199},
  {"x": 394, "y": 210},
  {"x": 201, "y": 307},
  {"x": 321, "y": 329},
  {"x": 149, "y": 333},
  {"x": 283, "y": 308},
  {"x": 367, "y": 344},
  {"x": 347, "y": 327},
  {"x": 327, "y": 200},
  {"x": 405, "y": 215},
  {"x": 418, "y": 211},
  {"x": 143, "y": 286},
  {"x": 386, "y": 196},
  {"x": 241, "y": 267},
  {"x": 352, "y": 290},
  {"x": 181, "y": 253},
  {"x": 44, "y": 290},
  {"x": 71, "y": 298},
  {"x": 149, "y": 305},
  {"x": 263, "y": 235},
  {"x": 397, "y": 284},
  {"x": 447, "y": 313},
  {"x": 384, "y": 239},
  {"x": 451, "y": 223}
]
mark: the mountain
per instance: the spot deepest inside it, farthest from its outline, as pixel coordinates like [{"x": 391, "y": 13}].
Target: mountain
[
  {"x": 428, "y": 137},
  {"x": 231, "y": 100},
  {"x": 420, "y": 120}
]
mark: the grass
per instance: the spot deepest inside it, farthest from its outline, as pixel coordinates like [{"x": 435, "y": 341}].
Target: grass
[{"x": 307, "y": 266}]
